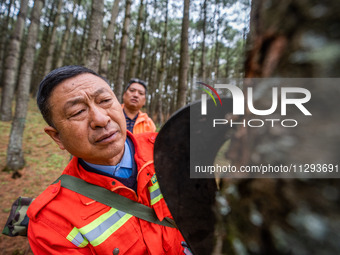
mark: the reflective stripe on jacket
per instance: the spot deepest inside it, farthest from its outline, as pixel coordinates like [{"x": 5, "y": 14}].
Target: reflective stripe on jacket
[{"x": 65, "y": 222}]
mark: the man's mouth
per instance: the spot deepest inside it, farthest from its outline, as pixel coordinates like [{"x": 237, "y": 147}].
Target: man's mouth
[{"x": 107, "y": 137}]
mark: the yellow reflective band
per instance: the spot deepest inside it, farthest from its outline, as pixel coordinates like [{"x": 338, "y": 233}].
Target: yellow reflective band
[
  {"x": 156, "y": 199},
  {"x": 111, "y": 230},
  {"x": 84, "y": 243},
  {"x": 76, "y": 238},
  {"x": 155, "y": 193},
  {"x": 97, "y": 221},
  {"x": 105, "y": 225},
  {"x": 154, "y": 187}
]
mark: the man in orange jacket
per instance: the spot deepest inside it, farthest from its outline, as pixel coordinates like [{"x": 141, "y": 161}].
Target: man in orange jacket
[
  {"x": 133, "y": 100},
  {"x": 85, "y": 118}
]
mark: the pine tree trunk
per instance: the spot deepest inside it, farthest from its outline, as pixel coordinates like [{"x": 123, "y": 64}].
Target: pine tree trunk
[
  {"x": 161, "y": 70},
  {"x": 202, "y": 74},
  {"x": 114, "y": 58},
  {"x": 11, "y": 63},
  {"x": 4, "y": 37},
  {"x": 63, "y": 47},
  {"x": 217, "y": 53},
  {"x": 107, "y": 47},
  {"x": 135, "y": 51},
  {"x": 94, "y": 40},
  {"x": 122, "y": 54},
  {"x": 53, "y": 38},
  {"x": 152, "y": 83},
  {"x": 173, "y": 99},
  {"x": 142, "y": 50},
  {"x": 184, "y": 62},
  {"x": 84, "y": 41},
  {"x": 40, "y": 62},
  {"x": 15, "y": 157},
  {"x": 227, "y": 65},
  {"x": 192, "y": 70},
  {"x": 74, "y": 50}
]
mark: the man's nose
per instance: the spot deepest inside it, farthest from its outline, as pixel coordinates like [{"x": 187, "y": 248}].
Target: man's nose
[
  {"x": 135, "y": 94},
  {"x": 98, "y": 117}
]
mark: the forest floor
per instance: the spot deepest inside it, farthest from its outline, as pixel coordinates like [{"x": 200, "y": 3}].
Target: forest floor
[{"x": 44, "y": 164}]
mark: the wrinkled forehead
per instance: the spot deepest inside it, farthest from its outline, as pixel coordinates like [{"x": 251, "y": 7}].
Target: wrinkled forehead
[
  {"x": 79, "y": 87},
  {"x": 82, "y": 83}
]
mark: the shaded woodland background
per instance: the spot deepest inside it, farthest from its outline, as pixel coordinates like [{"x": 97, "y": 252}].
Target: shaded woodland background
[
  {"x": 293, "y": 38},
  {"x": 120, "y": 39}
]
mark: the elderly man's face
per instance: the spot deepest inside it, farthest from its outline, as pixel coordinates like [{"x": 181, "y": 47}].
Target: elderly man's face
[
  {"x": 134, "y": 96},
  {"x": 89, "y": 121}
]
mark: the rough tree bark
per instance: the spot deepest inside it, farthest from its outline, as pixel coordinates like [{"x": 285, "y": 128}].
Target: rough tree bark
[
  {"x": 161, "y": 70},
  {"x": 74, "y": 52},
  {"x": 122, "y": 56},
  {"x": 135, "y": 51},
  {"x": 142, "y": 48},
  {"x": 95, "y": 35},
  {"x": 217, "y": 43},
  {"x": 108, "y": 42},
  {"x": 11, "y": 63},
  {"x": 40, "y": 61},
  {"x": 3, "y": 37},
  {"x": 53, "y": 38},
  {"x": 202, "y": 72},
  {"x": 184, "y": 59},
  {"x": 66, "y": 35},
  {"x": 289, "y": 216},
  {"x": 15, "y": 157},
  {"x": 152, "y": 82}
]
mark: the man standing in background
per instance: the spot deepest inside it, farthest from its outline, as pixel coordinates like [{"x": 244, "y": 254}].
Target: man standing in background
[{"x": 134, "y": 99}]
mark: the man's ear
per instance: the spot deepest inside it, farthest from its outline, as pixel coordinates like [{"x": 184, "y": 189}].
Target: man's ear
[
  {"x": 123, "y": 97},
  {"x": 54, "y": 134}
]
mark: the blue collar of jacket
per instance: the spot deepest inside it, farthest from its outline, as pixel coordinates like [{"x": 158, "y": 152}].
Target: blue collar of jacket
[{"x": 125, "y": 171}]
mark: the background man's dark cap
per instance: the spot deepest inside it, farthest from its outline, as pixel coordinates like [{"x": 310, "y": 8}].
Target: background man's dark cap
[{"x": 135, "y": 80}]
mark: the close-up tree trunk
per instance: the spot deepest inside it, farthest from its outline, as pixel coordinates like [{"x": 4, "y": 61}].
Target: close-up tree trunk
[{"x": 294, "y": 215}]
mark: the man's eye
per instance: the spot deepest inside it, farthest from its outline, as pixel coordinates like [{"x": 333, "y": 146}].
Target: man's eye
[
  {"x": 78, "y": 113},
  {"x": 106, "y": 101}
]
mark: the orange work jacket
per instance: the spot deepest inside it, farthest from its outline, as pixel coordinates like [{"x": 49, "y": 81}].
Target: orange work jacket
[
  {"x": 65, "y": 222},
  {"x": 143, "y": 123}
]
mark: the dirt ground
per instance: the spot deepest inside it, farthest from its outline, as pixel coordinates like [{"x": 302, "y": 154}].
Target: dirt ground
[{"x": 44, "y": 163}]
